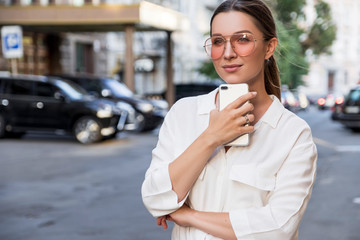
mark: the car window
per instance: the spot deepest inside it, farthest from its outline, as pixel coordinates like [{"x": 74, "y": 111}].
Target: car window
[
  {"x": 354, "y": 96},
  {"x": 19, "y": 87},
  {"x": 92, "y": 85},
  {"x": 45, "y": 89},
  {"x": 72, "y": 90},
  {"x": 117, "y": 88}
]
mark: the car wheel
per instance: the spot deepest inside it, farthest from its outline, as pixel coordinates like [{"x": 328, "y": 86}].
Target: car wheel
[
  {"x": 2, "y": 126},
  {"x": 87, "y": 130}
]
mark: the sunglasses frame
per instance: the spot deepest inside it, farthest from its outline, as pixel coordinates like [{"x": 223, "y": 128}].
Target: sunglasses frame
[{"x": 225, "y": 41}]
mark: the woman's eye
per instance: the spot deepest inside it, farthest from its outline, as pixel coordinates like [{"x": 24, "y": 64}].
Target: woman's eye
[
  {"x": 218, "y": 41},
  {"x": 242, "y": 39}
]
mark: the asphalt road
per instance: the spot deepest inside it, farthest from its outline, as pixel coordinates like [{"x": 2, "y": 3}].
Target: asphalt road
[
  {"x": 52, "y": 188},
  {"x": 334, "y": 209}
]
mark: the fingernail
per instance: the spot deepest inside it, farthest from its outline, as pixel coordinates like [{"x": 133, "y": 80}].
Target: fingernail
[{"x": 254, "y": 93}]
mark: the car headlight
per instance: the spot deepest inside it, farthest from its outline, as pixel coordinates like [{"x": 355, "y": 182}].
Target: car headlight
[
  {"x": 105, "y": 111},
  {"x": 145, "y": 107}
]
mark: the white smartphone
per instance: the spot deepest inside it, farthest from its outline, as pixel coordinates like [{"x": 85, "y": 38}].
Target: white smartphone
[{"x": 227, "y": 94}]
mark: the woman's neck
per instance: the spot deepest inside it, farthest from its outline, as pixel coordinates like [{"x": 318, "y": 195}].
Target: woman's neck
[{"x": 261, "y": 103}]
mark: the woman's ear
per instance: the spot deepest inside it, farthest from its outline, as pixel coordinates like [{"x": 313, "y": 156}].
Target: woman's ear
[{"x": 272, "y": 43}]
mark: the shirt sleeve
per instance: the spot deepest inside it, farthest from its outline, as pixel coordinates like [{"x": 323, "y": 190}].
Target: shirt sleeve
[
  {"x": 281, "y": 217},
  {"x": 157, "y": 193}
]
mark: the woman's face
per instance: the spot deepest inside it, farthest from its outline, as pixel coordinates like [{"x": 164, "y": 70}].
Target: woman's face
[{"x": 231, "y": 67}]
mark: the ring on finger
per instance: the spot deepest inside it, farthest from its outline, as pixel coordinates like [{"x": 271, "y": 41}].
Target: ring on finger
[{"x": 247, "y": 121}]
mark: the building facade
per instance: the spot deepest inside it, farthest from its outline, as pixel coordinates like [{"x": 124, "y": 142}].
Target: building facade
[
  {"x": 339, "y": 71},
  {"x": 104, "y": 53},
  {"x": 187, "y": 44}
]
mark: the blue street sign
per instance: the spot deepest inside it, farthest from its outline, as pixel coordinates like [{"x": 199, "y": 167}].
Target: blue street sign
[
  {"x": 11, "y": 37},
  {"x": 12, "y": 41}
]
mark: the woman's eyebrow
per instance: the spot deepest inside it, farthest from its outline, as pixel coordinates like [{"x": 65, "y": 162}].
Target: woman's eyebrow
[{"x": 241, "y": 31}]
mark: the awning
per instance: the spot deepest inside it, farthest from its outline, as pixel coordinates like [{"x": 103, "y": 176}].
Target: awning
[{"x": 144, "y": 16}]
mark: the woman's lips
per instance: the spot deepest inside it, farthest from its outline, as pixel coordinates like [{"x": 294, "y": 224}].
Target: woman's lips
[{"x": 232, "y": 68}]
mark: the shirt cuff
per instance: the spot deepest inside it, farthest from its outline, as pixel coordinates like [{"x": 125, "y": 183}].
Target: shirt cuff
[
  {"x": 158, "y": 196},
  {"x": 240, "y": 223}
]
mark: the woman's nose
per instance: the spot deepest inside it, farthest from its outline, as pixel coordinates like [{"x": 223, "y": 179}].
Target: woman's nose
[{"x": 229, "y": 51}]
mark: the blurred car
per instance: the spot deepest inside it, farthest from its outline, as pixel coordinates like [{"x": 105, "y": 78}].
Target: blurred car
[
  {"x": 143, "y": 114},
  {"x": 189, "y": 89},
  {"x": 348, "y": 112},
  {"x": 289, "y": 100},
  {"x": 302, "y": 99},
  {"x": 329, "y": 101},
  {"x": 195, "y": 89},
  {"x": 38, "y": 103}
]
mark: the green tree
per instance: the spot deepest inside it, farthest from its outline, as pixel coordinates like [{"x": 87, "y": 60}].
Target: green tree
[
  {"x": 322, "y": 33},
  {"x": 207, "y": 69},
  {"x": 288, "y": 10},
  {"x": 291, "y": 61},
  {"x": 295, "y": 40}
]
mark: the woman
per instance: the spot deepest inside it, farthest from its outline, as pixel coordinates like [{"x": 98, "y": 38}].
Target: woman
[{"x": 210, "y": 191}]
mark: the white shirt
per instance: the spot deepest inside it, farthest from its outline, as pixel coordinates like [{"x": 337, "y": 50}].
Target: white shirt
[{"x": 265, "y": 186}]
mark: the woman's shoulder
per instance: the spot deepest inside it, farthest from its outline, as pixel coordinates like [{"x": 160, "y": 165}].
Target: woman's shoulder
[
  {"x": 280, "y": 117},
  {"x": 294, "y": 119},
  {"x": 293, "y": 124}
]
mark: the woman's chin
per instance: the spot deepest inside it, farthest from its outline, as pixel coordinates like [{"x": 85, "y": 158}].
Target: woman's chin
[{"x": 233, "y": 80}]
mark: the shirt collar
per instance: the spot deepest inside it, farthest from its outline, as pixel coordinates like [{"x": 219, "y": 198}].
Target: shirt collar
[
  {"x": 206, "y": 103},
  {"x": 273, "y": 114}
]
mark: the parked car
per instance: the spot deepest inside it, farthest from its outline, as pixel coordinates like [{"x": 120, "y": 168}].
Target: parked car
[
  {"x": 348, "y": 112},
  {"x": 303, "y": 100},
  {"x": 38, "y": 103},
  {"x": 329, "y": 101},
  {"x": 289, "y": 100},
  {"x": 144, "y": 114},
  {"x": 188, "y": 89}
]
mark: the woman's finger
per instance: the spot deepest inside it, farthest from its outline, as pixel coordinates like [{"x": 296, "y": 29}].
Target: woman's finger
[
  {"x": 158, "y": 220},
  {"x": 244, "y": 109},
  {"x": 241, "y": 100},
  {"x": 247, "y": 119},
  {"x": 164, "y": 223}
]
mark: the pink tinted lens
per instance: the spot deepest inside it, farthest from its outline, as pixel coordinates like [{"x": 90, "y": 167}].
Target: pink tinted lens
[
  {"x": 214, "y": 48},
  {"x": 243, "y": 44}
]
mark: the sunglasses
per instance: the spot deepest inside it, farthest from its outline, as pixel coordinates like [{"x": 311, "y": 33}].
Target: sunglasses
[{"x": 243, "y": 45}]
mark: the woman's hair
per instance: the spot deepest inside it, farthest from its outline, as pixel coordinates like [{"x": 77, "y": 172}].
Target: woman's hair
[{"x": 265, "y": 22}]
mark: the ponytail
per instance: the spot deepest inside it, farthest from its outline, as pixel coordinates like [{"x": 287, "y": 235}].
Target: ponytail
[{"x": 272, "y": 78}]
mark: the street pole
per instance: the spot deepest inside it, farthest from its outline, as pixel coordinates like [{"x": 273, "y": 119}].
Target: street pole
[
  {"x": 14, "y": 66},
  {"x": 170, "y": 92}
]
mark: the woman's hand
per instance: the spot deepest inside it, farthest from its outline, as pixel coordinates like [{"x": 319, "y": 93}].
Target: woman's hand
[
  {"x": 161, "y": 221},
  {"x": 215, "y": 223},
  {"x": 181, "y": 217},
  {"x": 228, "y": 124}
]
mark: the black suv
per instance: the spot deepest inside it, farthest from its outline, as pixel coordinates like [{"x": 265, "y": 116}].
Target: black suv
[
  {"x": 348, "y": 112},
  {"x": 143, "y": 114},
  {"x": 38, "y": 103}
]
